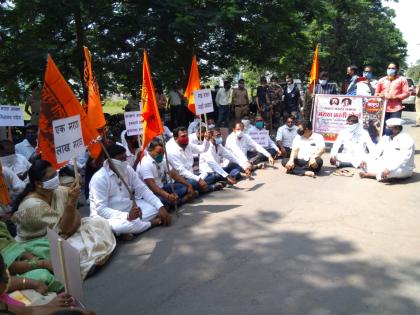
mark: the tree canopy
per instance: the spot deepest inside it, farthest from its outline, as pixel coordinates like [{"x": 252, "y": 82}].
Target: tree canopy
[{"x": 278, "y": 36}]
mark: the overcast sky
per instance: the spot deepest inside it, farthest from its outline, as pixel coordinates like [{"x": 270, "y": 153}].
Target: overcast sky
[{"x": 407, "y": 20}]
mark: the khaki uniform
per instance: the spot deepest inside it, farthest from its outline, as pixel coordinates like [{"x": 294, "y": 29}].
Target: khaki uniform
[{"x": 240, "y": 102}]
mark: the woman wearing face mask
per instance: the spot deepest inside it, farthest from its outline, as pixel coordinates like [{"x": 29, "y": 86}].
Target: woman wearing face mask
[
  {"x": 393, "y": 88},
  {"x": 44, "y": 204}
]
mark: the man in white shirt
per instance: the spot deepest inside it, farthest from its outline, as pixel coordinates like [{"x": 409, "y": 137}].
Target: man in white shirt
[
  {"x": 132, "y": 147},
  {"x": 154, "y": 172},
  {"x": 130, "y": 209},
  {"x": 354, "y": 141},
  {"x": 13, "y": 183},
  {"x": 239, "y": 143},
  {"x": 394, "y": 156},
  {"x": 223, "y": 101},
  {"x": 285, "y": 136},
  {"x": 28, "y": 145},
  {"x": 176, "y": 99},
  {"x": 16, "y": 162},
  {"x": 211, "y": 161},
  {"x": 307, "y": 149},
  {"x": 254, "y": 156},
  {"x": 181, "y": 156}
]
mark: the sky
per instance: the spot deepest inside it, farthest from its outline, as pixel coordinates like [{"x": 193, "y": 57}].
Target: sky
[{"x": 407, "y": 12}]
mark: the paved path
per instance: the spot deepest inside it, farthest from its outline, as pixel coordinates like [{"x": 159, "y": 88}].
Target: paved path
[{"x": 277, "y": 245}]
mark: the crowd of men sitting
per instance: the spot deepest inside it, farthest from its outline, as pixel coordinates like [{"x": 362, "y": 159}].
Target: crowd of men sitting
[{"x": 128, "y": 195}]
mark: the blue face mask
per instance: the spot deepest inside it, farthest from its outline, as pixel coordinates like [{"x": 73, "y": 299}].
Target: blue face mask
[
  {"x": 368, "y": 75},
  {"x": 219, "y": 140},
  {"x": 391, "y": 72},
  {"x": 159, "y": 158},
  {"x": 259, "y": 124}
]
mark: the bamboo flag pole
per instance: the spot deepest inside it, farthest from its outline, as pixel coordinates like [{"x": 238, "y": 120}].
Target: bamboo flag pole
[
  {"x": 205, "y": 122},
  {"x": 76, "y": 170}
]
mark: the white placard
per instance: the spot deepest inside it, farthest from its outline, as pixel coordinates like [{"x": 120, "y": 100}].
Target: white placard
[
  {"x": 260, "y": 136},
  {"x": 71, "y": 272},
  {"x": 11, "y": 116},
  {"x": 68, "y": 139},
  {"x": 133, "y": 123},
  {"x": 203, "y": 101}
]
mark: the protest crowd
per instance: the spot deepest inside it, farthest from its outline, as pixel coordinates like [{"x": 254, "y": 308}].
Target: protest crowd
[{"x": 134, "y": 181}]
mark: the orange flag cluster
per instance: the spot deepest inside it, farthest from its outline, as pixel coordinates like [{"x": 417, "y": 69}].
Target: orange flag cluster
[
  {"x": 193, "y": 85},
  {"x": 152, "y": 124}
]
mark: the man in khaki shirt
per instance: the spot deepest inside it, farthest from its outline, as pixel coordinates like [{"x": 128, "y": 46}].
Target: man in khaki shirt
[{"x": 240, "y": 100}]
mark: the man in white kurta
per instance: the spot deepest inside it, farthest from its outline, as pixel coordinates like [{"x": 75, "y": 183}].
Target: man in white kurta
[
  {"x": 394, "y": 156},
  {"x": 15, "y": 161},
  {"x": 110, "y": 199},
  {"x": 355, "y": 143}
]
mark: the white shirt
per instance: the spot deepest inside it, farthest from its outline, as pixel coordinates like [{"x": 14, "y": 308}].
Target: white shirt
[
  {"x": 25, "y": 148},
  {"x": 397, "y": 152},
  {"x": 16, "y": 162},
  {"x": 223, "y": 97},
  {"x": 183, "y": 160},
  {"x": 14, "y": 184},
  {"x": 286, "y": 135},
  {"x": 150, "y": 169},
  {"x": 174, "y": 98},
  {"x": 308, "y": 147},
  {"x": 109, "y": 197},
  {"x": 354, "y": 143},
  {"x": 363, "y": 89},
  {"x": 212, "y": 160},
  {"x": 271, "y": 143},
  {"x": 240, "y": 147}
]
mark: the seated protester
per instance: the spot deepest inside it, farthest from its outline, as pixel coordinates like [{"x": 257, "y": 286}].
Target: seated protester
[
  {"x": 272, "y": 148},
  {"x": 307, "y": 149},
  {"x": 394, "y": 156},
  {"x": 153, "y": 171},
  {"x": 211, "y": 161},
  {"x": 247, "y": 122},
  {"x": 285, "y": 136},
  {"x": 28, "y": 145},
  {"x": 14, "y": 161},
  {"x": 13, "y": 183},
  {"x": 210, "y": 123},
  {"x": 181, "y": 156},
  {"x": 239, "y": 143},
  {"x": 353, "y": 142},
  {"x": 195, "y": 124},
  {"x": 132, "y": 148},
  {"x": 197, "y": 137},
  {"x": 44, "y": 204},
  {"x": 111, "y": 199}
]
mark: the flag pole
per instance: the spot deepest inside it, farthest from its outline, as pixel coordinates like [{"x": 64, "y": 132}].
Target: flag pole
[
  {"x": 76, "y": 170},
  {"x": 205, "y": 121},
  {"x": 171, "y": 182}
]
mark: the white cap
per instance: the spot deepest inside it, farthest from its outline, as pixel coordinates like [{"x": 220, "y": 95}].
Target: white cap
[{"x": 394, "y": 122}]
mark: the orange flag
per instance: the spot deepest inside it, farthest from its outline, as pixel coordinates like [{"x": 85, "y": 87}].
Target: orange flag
[
  {"x": 193, "y": 84},
  {"x": 313, "y": 76},
  {"x": 95, "y": 114},
  {"x": 4, "y": 191},
  {"x": 152, "y": 125},
  {"x": 58, "y": 101}
]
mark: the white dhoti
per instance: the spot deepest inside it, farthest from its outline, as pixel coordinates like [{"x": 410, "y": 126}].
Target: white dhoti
[
  {"x": 123, "y": 226},
  {"x": 353, "y": 159},
  {"x": 377, "y": 167}
]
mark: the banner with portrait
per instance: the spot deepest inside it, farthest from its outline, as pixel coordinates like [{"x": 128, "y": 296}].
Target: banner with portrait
[{"x": 331, "y": 112}]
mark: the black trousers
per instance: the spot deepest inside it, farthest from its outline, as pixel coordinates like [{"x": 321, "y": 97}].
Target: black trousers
[
  {"x": 302, "y": 165},
  {"x": 256, "y": 157}
]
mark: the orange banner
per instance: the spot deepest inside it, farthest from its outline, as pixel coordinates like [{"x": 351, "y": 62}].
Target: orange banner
[
  {"x": 193, "y": 84},
  {"x": 58, "y": 101},
  {"x": 4, "y": 191},
  {"x": 313, "y": 76},
  {"x": 152, "y": 124}
]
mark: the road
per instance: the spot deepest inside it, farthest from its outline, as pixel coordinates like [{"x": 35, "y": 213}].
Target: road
[{"x": 279, "y": 244}]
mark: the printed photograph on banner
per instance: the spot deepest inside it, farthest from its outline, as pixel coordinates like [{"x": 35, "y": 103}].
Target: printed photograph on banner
[
  {"x": 203, "y": 101},
  {"x": 261, "y": 137},
  {"x": 11, "y": 116},
  {"x": 133, "y": 123},
  {"x": 331, "y": 113},
  {"x": 68, "y": 140}
]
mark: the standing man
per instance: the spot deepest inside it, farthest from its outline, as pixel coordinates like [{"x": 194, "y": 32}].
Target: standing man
[
  {"x": 175, "y": 100},
  {"x": 366, "y": 85},
  {"x": 393, "y": 88},
  {"x": 33, "y": 102},
  {"x": 240, "y": 100},
  {"x": 292, "y": 98},
  {"x": 325, "y": 87},
  {"x": 133, "y": 104},
  {"x": 307, "y": 150},
  {"x": 285, "y": 136},
  {"x": 263, "y": 101},
  {"x": 223, "y": 101},
  {"x": 275, "y": 94},
  {"x": 349, "y": 86}
]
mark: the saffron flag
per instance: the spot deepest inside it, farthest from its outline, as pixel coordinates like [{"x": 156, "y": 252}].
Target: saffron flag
[
  {"x": 58, "y": 101},
  {"x": 95, "y": 114},
  {"x": 4, "y": 191},
  {"x": 152, "y": 125},
  {"x": 193, "y": 84},
  {"x": 313, "y": 76}
]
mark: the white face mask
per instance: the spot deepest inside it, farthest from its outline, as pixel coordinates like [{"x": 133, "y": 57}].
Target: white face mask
[
  {"x": 212, "y": 126},
  {"x": 51, "y": 184},
  {"x": 121, "y": 167},
  {"x": 322, "y": 82},
  {"x": 246, "y": 122},
  {"x": 239, "y": 133},
  {"x": 352, "y": 128}
]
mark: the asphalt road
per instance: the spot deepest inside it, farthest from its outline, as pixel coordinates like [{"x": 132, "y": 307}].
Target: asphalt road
[{"x": 279, "y": 244}]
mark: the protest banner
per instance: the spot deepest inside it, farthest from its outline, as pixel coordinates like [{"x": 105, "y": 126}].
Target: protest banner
[
  {"x": 68, "y": 139},
  {"x": 11, "y": 116},
  {"x": 331, "y": 112},
  {"x": 66, "y": 265},
  {"x": 133, "y": 123},
  {"x": 260, "y": 136},
  {"x": 203, "y": 102}
]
